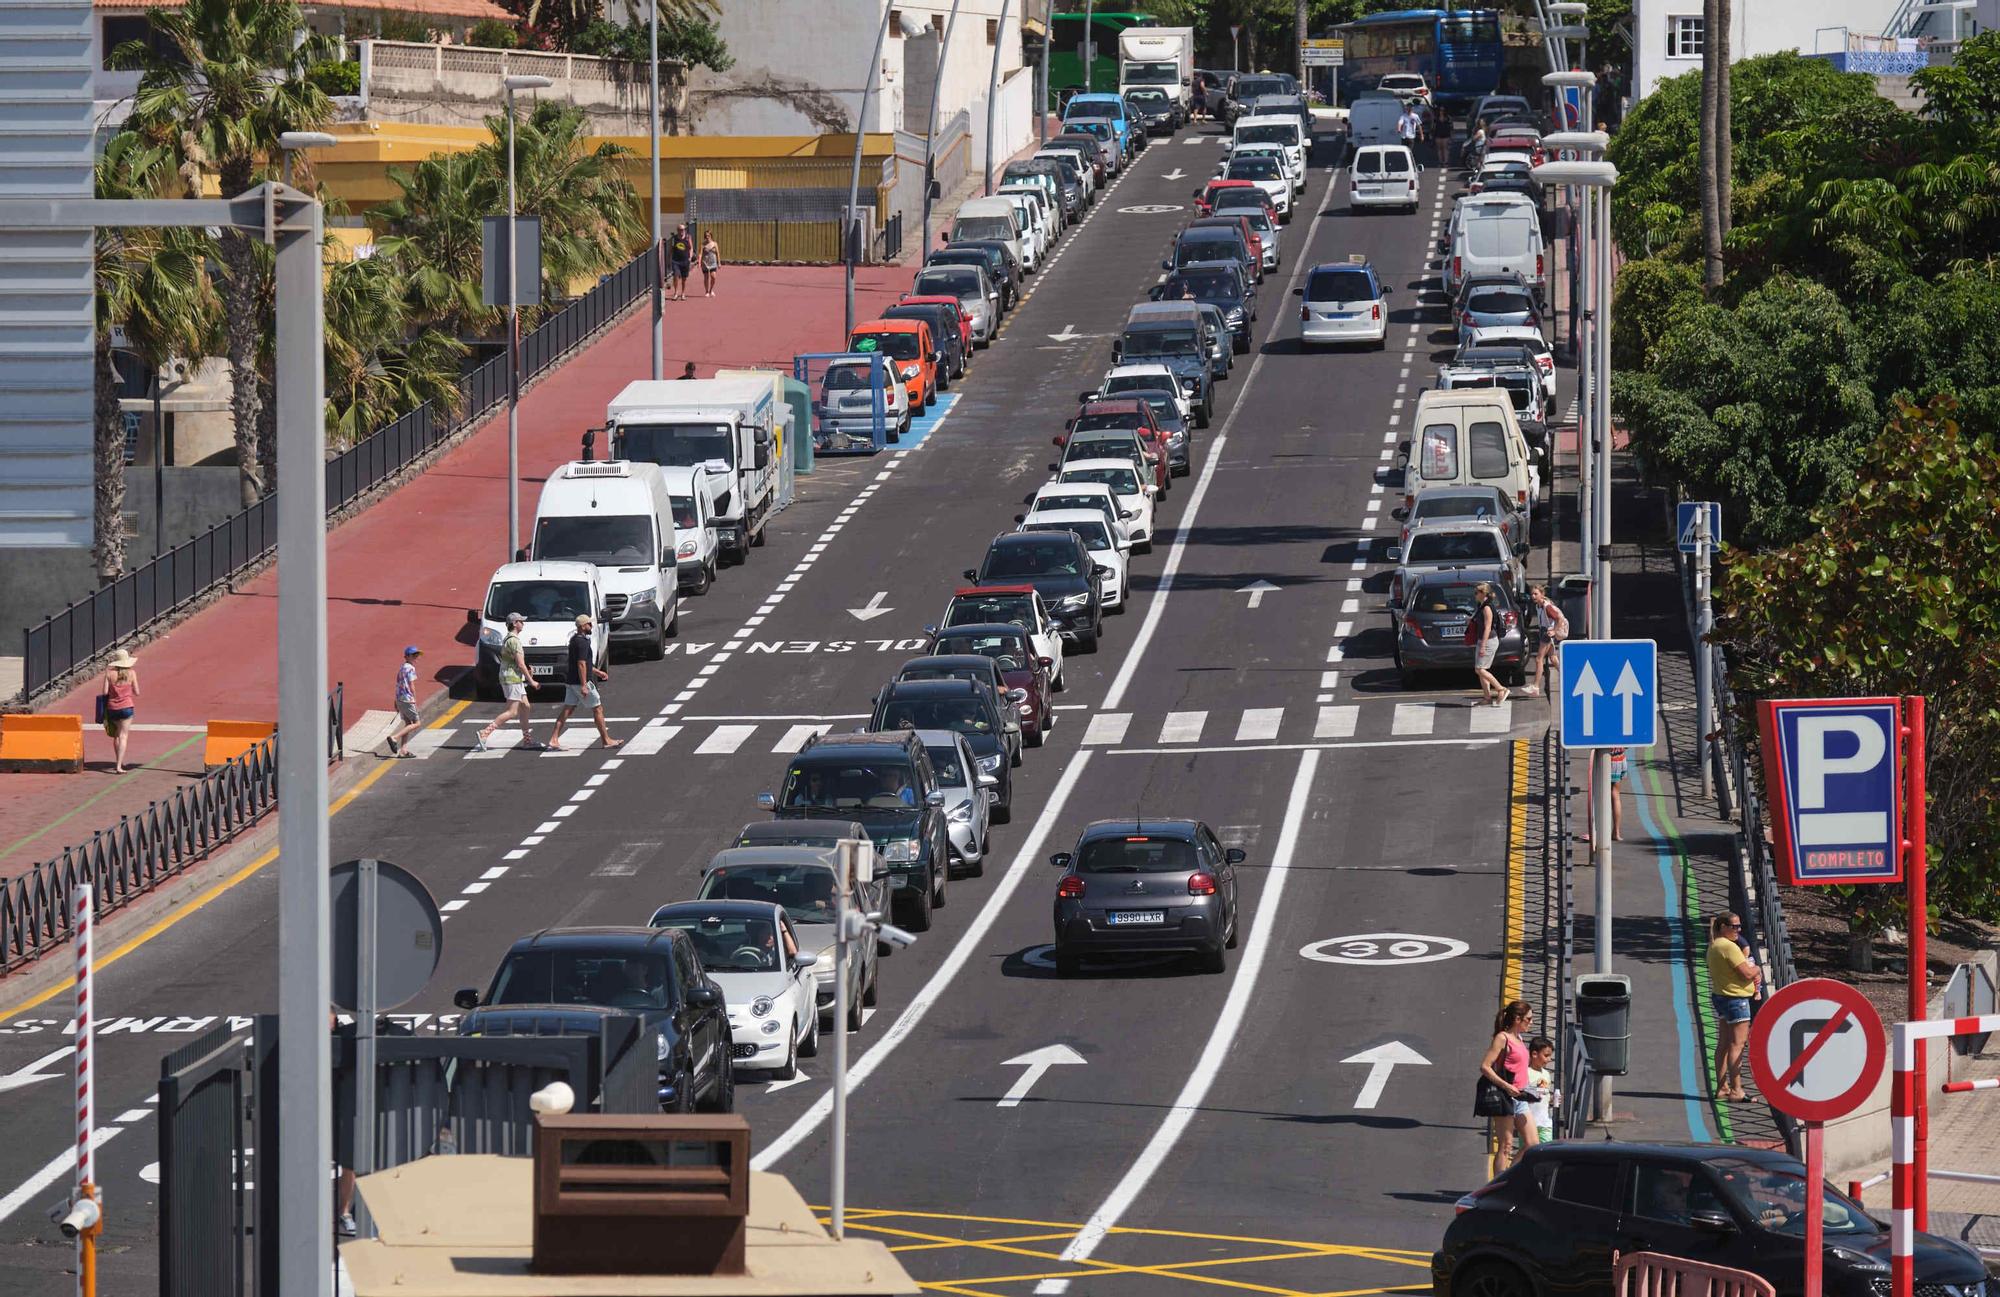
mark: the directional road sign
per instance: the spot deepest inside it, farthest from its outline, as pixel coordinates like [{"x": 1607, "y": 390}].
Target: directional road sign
[
  {"x": 1610, "y": 692},
  {"x": 1816, "y": 1049},
  {"x": 1324, "y": 53},
  {"x": 1834, "y": 771},
  {"x": 1685, "y": 514}
]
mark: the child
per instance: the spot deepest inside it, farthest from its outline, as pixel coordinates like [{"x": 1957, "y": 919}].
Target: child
[{"x": 1542, "y": 1053}]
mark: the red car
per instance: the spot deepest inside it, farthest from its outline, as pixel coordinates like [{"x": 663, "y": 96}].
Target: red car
[
  {"x": 1204, "y": 199},
  {"x": 1124, "y": 414},
  {"x": 964, "y": 316},
  {"x": 1007, "y": 643}
]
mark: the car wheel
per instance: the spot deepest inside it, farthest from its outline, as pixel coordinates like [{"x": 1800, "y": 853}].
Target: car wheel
[
  {"x": 809, "y": 1047},
  {"x": 658, "y": 648},
  {"x": 1067, "y": 963},
  {"x": 723, "y": 1096},
  {"x": 938, "y": 883},
  {"x": 683, "y": 1098},
  {"x": 854, "y": 1013},
  {"x": 1491, "y": 1279},
  {"x": 1215, "y": 961},
  {"x": 1002, "y": 813},
  {"x": 870, "y": 992},
  {"x": 1032, "y": 736},
  {"x": 708, "y": 576},
  {"x": 790, "y": 1068},
  {"x": 920, "y": 912}
]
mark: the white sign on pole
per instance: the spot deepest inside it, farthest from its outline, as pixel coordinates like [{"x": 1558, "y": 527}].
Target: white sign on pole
[{"x": 1331, "y": 53}]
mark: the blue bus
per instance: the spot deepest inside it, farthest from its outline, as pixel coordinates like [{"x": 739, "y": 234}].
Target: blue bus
[{"x": 1457, "y": 50}]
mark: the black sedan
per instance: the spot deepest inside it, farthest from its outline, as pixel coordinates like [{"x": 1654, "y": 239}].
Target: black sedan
[
  {"x": 1146, "y": 885},
  {"x": 1060, "y": 569},
  {"x": 1221, "y": 284},
  {"x": 994, "y": 256},
  {"x": 1555, "y": 1220}
]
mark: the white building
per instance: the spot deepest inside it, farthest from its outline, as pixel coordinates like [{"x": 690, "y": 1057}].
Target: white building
[{"x": 1667, "y": 35}]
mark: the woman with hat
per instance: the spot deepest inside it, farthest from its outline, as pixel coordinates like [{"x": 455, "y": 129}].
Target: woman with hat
[{"x": 121, "y": 698}]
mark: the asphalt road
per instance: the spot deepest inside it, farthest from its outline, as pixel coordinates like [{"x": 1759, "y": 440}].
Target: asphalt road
[{"x": 1217, "y": 1126}]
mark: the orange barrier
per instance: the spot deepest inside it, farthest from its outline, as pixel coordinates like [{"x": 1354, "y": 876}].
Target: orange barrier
[
  {"x": 41, "y": 743},
  {"x": 228, "y": 740},
  {"x": 1651, "y": 1274}
]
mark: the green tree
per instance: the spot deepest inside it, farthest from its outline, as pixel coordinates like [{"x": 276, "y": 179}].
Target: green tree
[
  {"x": 590, "y": 215},
  {"x": 432, "y": 232},
  {"x": 1891, "y": 592},
  {"x": 377, "y": 368},
  {"x": 229, "y": 78}
]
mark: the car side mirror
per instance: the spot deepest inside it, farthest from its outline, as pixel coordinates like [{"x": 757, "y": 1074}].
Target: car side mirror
[
  {"x": 1167, "y": 264},
  {"x": 1061, "y": 859},
  {"x": 1715, "y": 1222},
  {"x": 767, "y": 801},
  {"x": 703, "y": 997},
  {"x": 1520, "y": 549},
  {"x": 807, "y": 959},
  {"x": 971, "y": 574},
  {"x": 1048, "y": 664},
  {"x": 1399, "y": 514},
  {"x": 466, "y": 998},
  {"x": 1395, "y": 553},
  {"x": 1058, "y": 439},
  {"x": 604, "y": 613},
  {"x": 1298, "y": 292},
  {"x": 934, "y": 798},
  {"x": 1233, "y": 855},
  {"x": 1099, "y": 571}
]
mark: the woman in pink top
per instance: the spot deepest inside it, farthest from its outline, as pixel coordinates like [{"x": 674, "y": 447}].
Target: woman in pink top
[
  {"x": 1506, "y": 1065},
  {"x": 121, "y": 699}
]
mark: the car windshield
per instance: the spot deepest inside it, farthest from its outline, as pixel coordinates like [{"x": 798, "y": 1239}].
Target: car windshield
[
  {"x": 611, "y": 978},
  {"x": 1236, "y": 200},
  {"x": 1166, "y": 409},
  {"x": 1209, "y": 284},
  {"x": 981, "y": 227},
  {"x": 1035, "y": 558},
  {"x": 1136, "y": 853},
  {"x": 1340, "y": 286},
  {"x": 1122, "y": 481},
  {"x": 1105, "y": 448},
  {"x": 1774, "y": 1195},
  {"x": 973, "y": 610},
  {"x": 1248, "y": 88},
  {"x": 538, "y": 600},
  {"x": 1159, "y": 342},
  {"x": 1212, "y": 248},
  {"x": 1116, "y": 421},
  {"x": 1257, "y": 166},
  {"x": 1119, "y": 384},
  {"x": 1450, "y": 598},
  {"x": 684, "y": 514},
  {"x": 1097, "y": 130},
  {"x": 676, "y": 445},
  {"x": 607, "y": 540},
  {"x": 1453, "y": 547},
  {"x": 731, "y": 944},
  {"x": 1499, "y": 301},
  {"x": 950, "y": 770},
  {"x": 806, "y": 891},
  {"x": 947, "y": 282},
  {"x": 1275, "y": 133},
  {"x": 1009, "y": 652},
  {"x": 1095, "y": 534},
  {"x": 840, "y": 785},
  {"x": 903, "y": 346},
  {"x": 1434, "y": 504},
  {"x": 1082, "y": 500},
  {"x": 1091, "y": 108},
  {"x": 967, "y": 715}
]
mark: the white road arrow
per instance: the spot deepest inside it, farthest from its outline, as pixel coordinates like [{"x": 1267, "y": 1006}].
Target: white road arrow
[
  {"x": 33, "y": 1072},
  {"x": 1257, "y": 590},
  {"x": 1069, "y": 334},
  {"x": 1625, "y": 691},
  {"x": 1037, "y": 1062},
  {"x": 874, "y": 608},
  {"x": 1382, "y": 1060},
  {"x": 798, "y": 1078},
  {"x": 1587, "y": 688},
  {"x": 1175, "y": 174}
]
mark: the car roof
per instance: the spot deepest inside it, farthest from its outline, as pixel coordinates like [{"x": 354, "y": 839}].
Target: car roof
[
  {"x": 1507, "y": 333},
  {"x": 949, "y": 661},
  {"x": 1120, "y": 404},
  {"x": 1223, "y": 182},
  {"x": 1096, "y": 463},
  {"x": 890, "y": 326},
  {"x": 854, "y": 739},
  {"x": 1232, "y": 265},
  {"x": 930, "y": 299},
  {"x": 1066, "y": 487},
  {"x": 743, "y": 857},
  {"x": 1466, "y": 574},
  {"x": 1008, "y": 539},
  {"x": 1163, "y": 312},
  {"x": 1049, "y": 519},
  {"x": 1664, "y": 1151},
  {"x": 1128, "y": 368},
  {"x": 1465, "y": 492},
  {"x": 971, "y": 628},
  {"x": 942, "y": 738},
  {"x": 1158, "y": 828},
  {"x": 833, "y": 829},
  {"x": 734, "y": 908},
  {"x": 1457, "y": 522},
  {"x": 560, "y": 938}
]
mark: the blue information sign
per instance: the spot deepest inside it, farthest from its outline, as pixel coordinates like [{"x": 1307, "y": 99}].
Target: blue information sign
[
  {"x": 1610, "y": 692},
  {"x": 1834, "y": 770}
]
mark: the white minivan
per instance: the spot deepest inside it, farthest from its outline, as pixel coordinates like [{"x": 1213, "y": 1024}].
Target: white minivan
[
  {"x": 618, "y": 515},
  {"x": 549, "y": 597},
  {"x": 1496, "y": 234},
  {"x": 993, "y": 218},
  {"x": 697, "y": 549},
  {"x": 1384, "y": 175},
  {"x": 1285, "y": 131},
  {"x": 1468, "y": 437}
]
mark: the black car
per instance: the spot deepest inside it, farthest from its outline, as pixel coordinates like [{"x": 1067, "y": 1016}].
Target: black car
[
  {"x": 566, "y": 981},
  {"x": 1154, "y": 111},
  {"x": 1060, "y": 569},
  {"x": 1221, "y": 284},
  {"x": 1146, "y": 885},
  {"x": 1553, "y": 1222},
  {"x": 984, "y": 672},
  {"x": 950, "y": 355},
  {"x": 1213, "y": 243},
  {"x": 1247, "y": 89},
  {"x": 994, "y": 258},
  {"x": 959, "y": 705},
  {"x": 885, "y": 782}
]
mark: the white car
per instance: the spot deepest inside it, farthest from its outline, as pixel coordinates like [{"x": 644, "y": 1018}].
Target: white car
[
  {"x": 1107, "y": 549},
  {"x": 1083, "y": 495},
  {"x": 1344, "y": 302},
  {"x": 1385, "y": 175},
  {"x": 1141, "y": 376},
  {"x": 1545, "y": 359},
  {"x": 697, "y": 546},
  {"x": 967, "y": 799},
  {"x": 1405, "y": 86},
  {"x": 752, "y": 952},
  {"x": 1268, "y": 173},
  {"x": 1135, "y": 497},
  {"x": 1291, "y": 169}
]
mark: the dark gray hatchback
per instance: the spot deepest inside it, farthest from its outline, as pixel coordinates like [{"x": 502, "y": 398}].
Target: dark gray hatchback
[{"x": 1146, "y": 885}]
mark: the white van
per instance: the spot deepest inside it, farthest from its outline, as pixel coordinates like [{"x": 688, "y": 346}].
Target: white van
[
  {"x": 992, "y": 218},
  {"x": 1468, "y": 437},
  {"x": 1496, "y": 234},
  {"x": 1384, "y": 175},
  {"x": 697, "y": 549},
  {"x": 1045, "y": 212},
  {"x": 1285, "y": 131},
  {"x": 1028, "y": 215},
  {"x": 618, "y": 515},
  {"x": 1372, "y": 118},
  {"x": 550, "y": 596}
]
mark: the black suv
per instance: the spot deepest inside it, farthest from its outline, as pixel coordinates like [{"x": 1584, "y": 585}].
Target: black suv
[
  {"x": 1554, "y": 1221},
  {"x": 885, "y": 782},
  {"x": 959, "y": 705},
  {"x": 566, "y": 981},
  {"x": 1060, "y": 568}
]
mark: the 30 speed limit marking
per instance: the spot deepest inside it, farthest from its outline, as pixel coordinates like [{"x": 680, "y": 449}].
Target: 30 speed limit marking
[{"x": 1384, "y": 948}]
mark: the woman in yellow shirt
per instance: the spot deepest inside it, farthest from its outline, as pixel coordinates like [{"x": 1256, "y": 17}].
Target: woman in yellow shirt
[{"x": 1732, "y": 985}]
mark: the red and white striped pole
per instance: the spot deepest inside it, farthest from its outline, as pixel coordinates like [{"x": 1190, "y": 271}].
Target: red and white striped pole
[
  {"x": 1966, "y": 1087},
  {"x": 86, "y": 1089},
  {"x": 1903, "y": 1102}
]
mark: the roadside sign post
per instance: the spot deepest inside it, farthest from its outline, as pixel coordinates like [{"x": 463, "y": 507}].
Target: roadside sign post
[
  {"x": 1698, "y": 530},
  {"x": 1235, "y": 47},
  {"x": 1816, "y": 1050},
  {"x": 387, "y": 936}
]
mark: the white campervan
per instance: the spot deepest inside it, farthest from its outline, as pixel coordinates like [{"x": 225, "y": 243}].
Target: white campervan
[
  {"x": 697, "y": 548},
  {"x": 1468, "y": 437},
  {"x": 618, "y": 515}
]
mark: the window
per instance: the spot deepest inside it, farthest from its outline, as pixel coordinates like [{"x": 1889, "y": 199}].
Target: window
[
  {"x": 1487, "y": 444},
  {"x": 1686, "y": 34},
  {"x": 1592, "y": 1183},
  {"x": 1438, "y": 454},
  {"x": 992, "y": 31},
  {"x": 1669, "y": 1193}
]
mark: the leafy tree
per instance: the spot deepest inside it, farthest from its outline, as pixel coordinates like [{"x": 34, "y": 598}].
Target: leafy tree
[
  {"x": 693, "y": 41},
  {"x": 231, "y": 76},
  {"x": 491, "y": 33},
  {"x": 1891, "y": 592},
  {"x": 589, "y": 213},
  {"x": 1964, "y": 95},
  {"x": 432, "y": 232},
  {"x": 1644, "y": 304},
  {"x": 376, "y": 368}
]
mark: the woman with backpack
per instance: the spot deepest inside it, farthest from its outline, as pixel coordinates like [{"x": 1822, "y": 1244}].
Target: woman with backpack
[{"x": 1482, "y": 631}]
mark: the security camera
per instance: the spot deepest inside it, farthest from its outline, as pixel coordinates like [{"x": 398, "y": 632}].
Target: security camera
[
  {"x": 83, "y": 1214},
  {"x": 895, "y": 936}
]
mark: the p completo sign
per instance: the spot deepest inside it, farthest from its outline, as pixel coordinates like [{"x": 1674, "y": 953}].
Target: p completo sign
[{"x": 1833, "y": 769}]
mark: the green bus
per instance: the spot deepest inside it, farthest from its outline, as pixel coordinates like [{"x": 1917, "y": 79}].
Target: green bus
[{"x": 1066, "y": 50}]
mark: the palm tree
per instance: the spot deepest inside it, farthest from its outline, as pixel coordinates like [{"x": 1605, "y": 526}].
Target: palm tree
[
  {"x": 432, "y": 232},
  {"x": 228, "y": 81},
  {"x": 376, "y": 372},
  {"x": 154, "y": 285},
  {"x": 590, "y": 215}
]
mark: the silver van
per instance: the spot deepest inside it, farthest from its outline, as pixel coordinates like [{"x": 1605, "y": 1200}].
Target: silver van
[{"x": 1495, "y": 234}]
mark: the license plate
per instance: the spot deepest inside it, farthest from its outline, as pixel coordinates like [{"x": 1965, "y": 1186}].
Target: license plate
[
  {"x": 1450, "y": 628},
  {"x": 1130, "y": 918},
  {"x": 547, "y": 670}
]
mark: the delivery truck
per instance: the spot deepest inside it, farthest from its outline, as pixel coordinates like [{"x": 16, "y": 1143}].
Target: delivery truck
[
  {"x": 1158, "y": 58},
  {"x": 732, "y": 426}
]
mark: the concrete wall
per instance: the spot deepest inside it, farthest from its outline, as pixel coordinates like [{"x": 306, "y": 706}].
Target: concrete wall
[{"x": 1764, "y": 27}]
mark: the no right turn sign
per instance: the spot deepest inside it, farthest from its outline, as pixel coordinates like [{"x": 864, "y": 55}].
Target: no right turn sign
[{"x": 1816, "y": 1049}]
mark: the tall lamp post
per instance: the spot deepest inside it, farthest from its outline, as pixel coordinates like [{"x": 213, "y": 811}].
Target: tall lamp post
[
  {"x": 850, "y": 249},
  {"x": 659, "y": 287},
  {"x": 993, "y": 95},
  {"x": 930, "y": 127},
  {"x": 1557, "y": 82},
  {"x": 513, "y": 83},
  {"x": 1598, "y": 178}
]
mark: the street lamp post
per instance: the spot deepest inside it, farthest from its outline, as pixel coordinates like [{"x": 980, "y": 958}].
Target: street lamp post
[
  {"x": 1579, "y": 331},
  {"x": 993, "y": 97},
  {"x": 659, "y": 287},
  {"x": 1089, "y": 40},
  {"x": 850, "y": 251},
  {"x": 513, "y": 83},
  {"x": 930, "y": 126}
]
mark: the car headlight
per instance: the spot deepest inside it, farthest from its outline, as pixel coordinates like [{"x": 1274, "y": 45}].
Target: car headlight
[
  {"x": 663, "y": 1047},
  {"x": 1177, "y": 439},
  {"x": 1234, "y": 315},
  {"x": 760, "y": 1007},
  {"x": 990, "y": 763},
  {"x": 1859, "y": 1260},
  {"x": 900, "y": 851},
  {"x": 1073, "y": 600},
  {"x": 685, "y": 549},
  {"x": 643, "y": 599},
  {"x": 962, "y": 813},
  {"x": 491, "y": 635},
  {"x": 910, "y": 371}
]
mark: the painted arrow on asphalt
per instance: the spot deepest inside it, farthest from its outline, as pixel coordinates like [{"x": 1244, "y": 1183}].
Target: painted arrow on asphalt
[
  {"x": 874, "y": 608},
  {"x": 1069, "y": 334},
  {"x": 1037, "y": 1062},
  {"x": 33, "y": 1072},
  {"x": 1175, "y": 174},
  {"x": 1382, "y": 1060},
  {"x": 1625, "y": 691},
  {"x": 797, "y": 1078},
  {"x": 1257, "y": 590},
  {"x": 1590, "y": 691}
]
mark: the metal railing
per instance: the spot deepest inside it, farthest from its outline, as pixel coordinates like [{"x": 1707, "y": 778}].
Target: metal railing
[
  {"x": 891, "y": 240},
  {"x": 1573, "y": 1073},
  {"x": 115, "y": 613}
]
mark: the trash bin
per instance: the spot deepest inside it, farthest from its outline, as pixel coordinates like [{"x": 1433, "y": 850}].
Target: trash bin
[
  {"x": 1573, "y": 597},
  {"x": 1604, "y": 1016}
]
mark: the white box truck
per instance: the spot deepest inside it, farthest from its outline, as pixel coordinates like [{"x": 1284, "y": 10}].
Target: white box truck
[
  {"x": 733, "y": 425},
  {"x": 619, "y": 516},
  {"x": 1160, "y": 58}
]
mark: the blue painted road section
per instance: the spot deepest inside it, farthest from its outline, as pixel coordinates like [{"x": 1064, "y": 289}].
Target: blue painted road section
[
  {"x": 923, "y": 424},
  {"x": 1693, "y": 1059}
]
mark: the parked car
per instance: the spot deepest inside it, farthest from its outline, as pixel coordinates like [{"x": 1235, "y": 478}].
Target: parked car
[{"x": 803, "y": 881}]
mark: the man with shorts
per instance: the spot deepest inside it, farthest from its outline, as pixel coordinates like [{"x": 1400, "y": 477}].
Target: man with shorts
[
  {"x": 580, "y": 679},
  {"x": 406, "y": 703},
  {"x": 513, "y": 686},
  {"x": 681, "y": 249}
]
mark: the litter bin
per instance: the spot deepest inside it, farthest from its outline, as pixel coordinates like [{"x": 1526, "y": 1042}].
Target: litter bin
[
  {"x": 1604, "y": 1016},
  {"x": 1573, "y": 597}
]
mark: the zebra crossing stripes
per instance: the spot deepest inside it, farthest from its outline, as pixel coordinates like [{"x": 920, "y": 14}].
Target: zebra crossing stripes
[
  {"x": 726, "y": 738},
  {"x": 1183, "y": 727},
  {"x": 649, "y": 740},
  {"x": 1259, "y": 724},
  {"x": 1429, "y": 720},
  {"x": 1493, "y": 720},
  {"x": 1413, "y": 719},
  {"x": 795, "y": 738},
  {"x": 1107, "y": 728},
  {"x": 1336, "y": 722}
]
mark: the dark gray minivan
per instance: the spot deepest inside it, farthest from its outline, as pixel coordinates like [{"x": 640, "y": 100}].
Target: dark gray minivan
[{"x": 1176, "y": 335}]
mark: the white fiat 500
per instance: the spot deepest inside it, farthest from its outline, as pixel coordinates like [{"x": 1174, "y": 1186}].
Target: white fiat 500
[{"x": 753, "y": 954}]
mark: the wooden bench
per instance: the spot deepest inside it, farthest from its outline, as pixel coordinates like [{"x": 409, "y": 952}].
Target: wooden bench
[
  {"x": 41, "y": 743},
  {"x": 228, "y": 740}
]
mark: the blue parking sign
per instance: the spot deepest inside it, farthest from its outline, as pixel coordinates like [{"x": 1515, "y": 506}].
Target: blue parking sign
[
  {"x": 1833, "y": 768},
  {"x": 1610, "y": 692}
]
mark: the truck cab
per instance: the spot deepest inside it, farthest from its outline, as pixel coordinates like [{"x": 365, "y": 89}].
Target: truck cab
[
  {"x": 734, "y": 426},
  {"x": 551, "y": 596},
  {"x": 619, "y": 516}
]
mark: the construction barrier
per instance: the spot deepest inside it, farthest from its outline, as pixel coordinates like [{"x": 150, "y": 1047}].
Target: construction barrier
[
  {"x": 1910, "y": 1161},
  {"x": 41, "y": 743},
  {"x": 1650, "y": 1274},
  {"x": 228, "y": 740}
]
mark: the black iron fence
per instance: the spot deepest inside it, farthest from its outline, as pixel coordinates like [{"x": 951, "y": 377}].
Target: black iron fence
[
  {"x": 204, "y": 1124},
  {"x": 1573, "y": 1075},
  {"x": 892, "y": 238},
  {"x": 156, "y": 589}
]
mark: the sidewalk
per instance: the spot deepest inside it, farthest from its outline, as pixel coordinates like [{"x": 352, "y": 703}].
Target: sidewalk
[{"x": 405, "y": 570}]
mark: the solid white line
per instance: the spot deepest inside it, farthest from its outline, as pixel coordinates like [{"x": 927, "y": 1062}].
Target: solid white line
[
  {"x": 58, "y": 1166},
  {"x": 933, "y": 991},
  {"x": 1221, "y": 1041},
  {"x": 1156, "y": 609},
  {"x": 1308, "y": 747}
]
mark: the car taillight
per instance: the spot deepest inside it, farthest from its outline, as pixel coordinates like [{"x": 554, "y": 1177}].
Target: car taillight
[
  {"x": 1538, "y": 265},
  {"x": 1305, "y": 313},
  {"x": 1457, "y": 267},
  {"x": 1471, "y": 1200},
  {"x": 1465, "y": 318},
  {"x": 1507, "y": 622},
  {"x": 1376, "y": 311},
  {"x": 1071, "y": 888},
  {"x": 1521, "y": 498},
  {"x": 1201, "y": 883}
]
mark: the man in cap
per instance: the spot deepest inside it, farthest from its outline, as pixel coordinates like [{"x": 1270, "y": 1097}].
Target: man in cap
[
  {"x": 580, "y": 684},
  {"x": 406, "y": 703},
  {"x": 514, "y": 677}
]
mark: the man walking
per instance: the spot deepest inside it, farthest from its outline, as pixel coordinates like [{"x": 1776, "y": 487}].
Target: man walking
[
  {"x": 406, "y": 703},
  {"x": 580, "y": 685},
  {"x": 514, "y": 678},
  {"x": 681, "y": 249},
  {"x": 1410, "y": 126}
]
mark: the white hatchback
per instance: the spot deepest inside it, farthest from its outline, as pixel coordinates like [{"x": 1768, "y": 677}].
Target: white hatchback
[
  {"x": 1134, "y": 496},
  {"x": 750, "y": 950}
]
